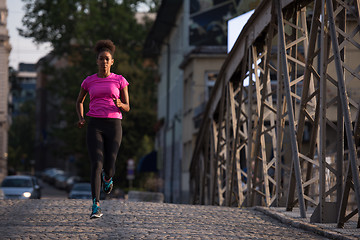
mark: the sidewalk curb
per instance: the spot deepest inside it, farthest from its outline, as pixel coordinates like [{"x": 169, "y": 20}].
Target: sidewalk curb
[{"x": 303, "y": 225}]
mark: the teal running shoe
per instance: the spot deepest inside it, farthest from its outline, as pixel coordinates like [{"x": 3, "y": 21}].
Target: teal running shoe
[
  {"x": 107, "y": 185},
  {"x": 96, "y": 211}
]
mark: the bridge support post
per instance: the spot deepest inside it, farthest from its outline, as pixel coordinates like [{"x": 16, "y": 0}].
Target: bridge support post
[{"x": 290, "y": 111}]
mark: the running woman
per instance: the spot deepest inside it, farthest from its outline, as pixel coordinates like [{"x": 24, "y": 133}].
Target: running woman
[{"x": 108, "y": 97}]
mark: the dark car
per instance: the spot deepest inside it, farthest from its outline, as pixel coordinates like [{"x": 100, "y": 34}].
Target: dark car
[
  {"x": 60, "y": 180},
  {"x": 50, "y": 173},
  {"x": 21, "y": 187},
  {"x": 80, "y": 191},
  {"x": 83, "y": 191},
  {"x": 71, "y": 181}
]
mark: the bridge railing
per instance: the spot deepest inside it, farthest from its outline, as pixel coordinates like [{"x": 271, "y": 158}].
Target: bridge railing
[{"x": 281, "y": 127}]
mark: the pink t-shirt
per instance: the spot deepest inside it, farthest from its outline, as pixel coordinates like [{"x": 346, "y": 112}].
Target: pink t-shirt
[{"x": 102, "y": 91}]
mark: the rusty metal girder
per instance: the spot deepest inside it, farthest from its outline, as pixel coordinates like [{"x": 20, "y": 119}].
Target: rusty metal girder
[{"x": 273, "y": 92}]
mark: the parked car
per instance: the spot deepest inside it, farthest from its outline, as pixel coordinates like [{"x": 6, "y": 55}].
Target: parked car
[
  {"x": 2, "y": 195},
  {"x": 60, "y": 180},
  {"x": 71, "y": 181},
  {"x": 50, "y": 173},
  {"x": 37, "y": 186},
  {"x": 83, "y": 191},
  {"x": 21, "y": 187},
  {"x": 80, "y": 191}
]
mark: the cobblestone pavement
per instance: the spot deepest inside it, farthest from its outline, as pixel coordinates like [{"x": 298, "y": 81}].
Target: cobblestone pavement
[
  {"x": 292, "y": 218},
  {"x": 69, "y": 219}
]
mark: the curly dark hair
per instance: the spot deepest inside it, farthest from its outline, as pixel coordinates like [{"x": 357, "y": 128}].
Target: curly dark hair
[{"x": 104, "y": 45}]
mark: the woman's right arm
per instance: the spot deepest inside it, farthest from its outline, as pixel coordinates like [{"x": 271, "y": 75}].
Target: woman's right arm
[{"x": 80, "y": 107}]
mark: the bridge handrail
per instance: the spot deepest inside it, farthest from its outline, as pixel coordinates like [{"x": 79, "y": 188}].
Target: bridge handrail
[{"x": 254, "y": 27}]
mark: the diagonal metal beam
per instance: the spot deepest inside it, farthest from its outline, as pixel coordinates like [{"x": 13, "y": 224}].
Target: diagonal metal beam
[
  {"x": 344, "y": 103},
  {"x": 294, "y": 146}
]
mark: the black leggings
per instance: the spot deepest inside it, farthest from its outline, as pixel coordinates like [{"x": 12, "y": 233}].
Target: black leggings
[{"x": 103, "y": 141}]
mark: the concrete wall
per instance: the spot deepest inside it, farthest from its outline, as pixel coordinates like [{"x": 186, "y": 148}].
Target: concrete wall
[{"x": 5, "y": 49}]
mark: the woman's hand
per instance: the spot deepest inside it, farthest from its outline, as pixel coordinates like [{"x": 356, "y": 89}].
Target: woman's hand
[
  {"x": 117, "y": 102},
  {"x": 81, "y": 123},
  {"x": 80, "y": 107},
  {"x": 123, "y": 102},
  {"x": 125, "y": 107}
]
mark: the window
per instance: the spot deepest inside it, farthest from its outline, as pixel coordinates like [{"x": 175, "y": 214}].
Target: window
[{"x": 210, "y": 79}]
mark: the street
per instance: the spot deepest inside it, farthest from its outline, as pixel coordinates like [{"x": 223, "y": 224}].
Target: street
[
  {"x": 55, "y": 216},
  {"x": 63, "y": 218},
  {"x": 50, "y": 192}
]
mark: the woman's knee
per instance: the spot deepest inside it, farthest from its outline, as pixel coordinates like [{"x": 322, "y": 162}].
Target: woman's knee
[{"x": 97, "y": 166}]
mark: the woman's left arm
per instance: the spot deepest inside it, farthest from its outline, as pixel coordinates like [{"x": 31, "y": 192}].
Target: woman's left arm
[{"x": 123, "y": 102}]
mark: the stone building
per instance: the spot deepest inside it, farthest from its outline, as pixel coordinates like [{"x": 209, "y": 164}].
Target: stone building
[
  {"x": 188, "y": 41},
  {"x": 26, "y": 91},
  {"x": 5, "y": 49}
]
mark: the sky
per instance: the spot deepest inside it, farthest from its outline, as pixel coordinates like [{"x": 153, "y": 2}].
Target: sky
[
  {"x": 235, "y": 26},
  {"x": 23, "y": 49}
]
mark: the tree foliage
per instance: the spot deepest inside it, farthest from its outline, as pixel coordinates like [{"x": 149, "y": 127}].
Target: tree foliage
[
  {"x": 61, "y": 22},
  {"x": 21, "y": 138},
  {"x": 73, "y": 27}
]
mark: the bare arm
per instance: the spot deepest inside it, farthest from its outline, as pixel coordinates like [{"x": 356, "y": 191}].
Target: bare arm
[
  {"x": 80, "y": 107},
  {"x": 123, "y": 102}
]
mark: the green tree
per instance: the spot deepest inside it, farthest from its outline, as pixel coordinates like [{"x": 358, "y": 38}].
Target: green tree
[
  {"x": 21, "y": 138},
  {"x": 73, "y": 27}
]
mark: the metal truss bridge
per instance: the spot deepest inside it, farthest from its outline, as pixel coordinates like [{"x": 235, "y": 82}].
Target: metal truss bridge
[{"x": 282, "y": 126}]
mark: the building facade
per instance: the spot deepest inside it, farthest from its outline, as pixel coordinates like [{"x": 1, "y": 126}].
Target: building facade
[
  {"x": 188, "y": 41},
  {"x": 25, "y": 90},
  {"x": 201, "y": 67},
  {"x": 5, "y": 49},
  {"x": 46, "y": 115}
]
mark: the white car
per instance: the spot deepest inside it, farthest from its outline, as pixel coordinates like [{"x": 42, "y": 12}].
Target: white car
[{"x": 20, "y": 187}]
